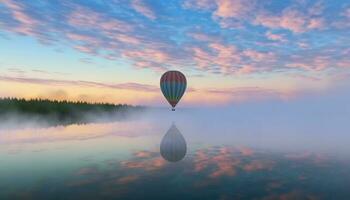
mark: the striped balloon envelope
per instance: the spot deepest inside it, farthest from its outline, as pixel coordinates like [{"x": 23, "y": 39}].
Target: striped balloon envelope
[{"x": 173, "y": 85}]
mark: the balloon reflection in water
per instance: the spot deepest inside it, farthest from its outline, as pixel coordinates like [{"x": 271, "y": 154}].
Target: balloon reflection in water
[{"x": 173, "y": 146}]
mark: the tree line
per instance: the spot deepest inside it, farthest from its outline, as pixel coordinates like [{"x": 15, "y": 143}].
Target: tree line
[{"x": 64, "y": 111}]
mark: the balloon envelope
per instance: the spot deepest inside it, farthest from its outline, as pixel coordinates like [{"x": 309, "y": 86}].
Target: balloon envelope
[
  {"x": 173, "y": 146},
  {"x": 173, "y": 85}
]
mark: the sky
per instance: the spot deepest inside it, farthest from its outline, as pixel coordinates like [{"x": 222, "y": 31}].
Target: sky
[{"x": 230, "y": 50}]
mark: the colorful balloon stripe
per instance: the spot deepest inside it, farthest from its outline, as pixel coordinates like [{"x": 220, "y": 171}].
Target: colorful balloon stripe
[{"x": 173, "y": 85}]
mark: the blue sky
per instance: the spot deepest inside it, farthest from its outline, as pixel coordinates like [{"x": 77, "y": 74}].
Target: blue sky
[{"x": 230, "y": 50}]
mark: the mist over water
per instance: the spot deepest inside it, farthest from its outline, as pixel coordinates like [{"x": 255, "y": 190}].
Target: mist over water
[{"x": 267, "y": 150}]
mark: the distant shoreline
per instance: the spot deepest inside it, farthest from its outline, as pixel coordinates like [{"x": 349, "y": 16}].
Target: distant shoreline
[{"x": 54, "y": 112}]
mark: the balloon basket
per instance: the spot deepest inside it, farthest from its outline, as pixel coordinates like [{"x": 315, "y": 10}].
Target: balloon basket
[{"x": 173, "y": 109}]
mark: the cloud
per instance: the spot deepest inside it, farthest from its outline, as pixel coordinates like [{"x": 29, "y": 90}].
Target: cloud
[
  {"x": 222, "y": 8},
  {"x": 316, "y": 23},
  {"x": 124, "y": 86},
  {"x": 275, "y": 37},
  {"x": 346, "y": 13},
  {"x": 229, "y": 59},
  {"x": 290, "y": 19},
  {"x": 203, "y": 37},
  {"x": 316, "y": 9},
  {"x": 233, "y": 8},
  {"x": 316, "y": 63},
  {"x": 25, "y": 23},
  {"x": 258, "y": 56},
  {"x": 86, "y": 18},
  {"x": 252, "y": 93},
  {"x": 141, "y": 7},
  {"x": 260, "y": 43},
  {"x": 234, "y": 13},
  {"x": 199, "y": 4}
]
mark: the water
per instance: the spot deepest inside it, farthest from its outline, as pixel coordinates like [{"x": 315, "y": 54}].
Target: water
[{"x": 158, "y": 157}]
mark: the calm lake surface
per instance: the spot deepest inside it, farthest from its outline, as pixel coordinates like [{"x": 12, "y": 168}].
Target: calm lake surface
[{"x": 158, "y": 157}]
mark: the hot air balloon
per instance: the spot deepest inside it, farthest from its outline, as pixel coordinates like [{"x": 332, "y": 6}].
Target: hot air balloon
[
  {"x": 173, "y": 85},
  {"x": 173, "y": 146}
]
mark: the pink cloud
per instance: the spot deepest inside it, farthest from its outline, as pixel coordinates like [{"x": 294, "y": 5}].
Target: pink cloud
[
  {"x": 275, "y": 37},
  {"x": 228, "y": 59},
  {"x": 246, "y": 69},
  {"x": 204, "y": 37},
  {"x": 290, "y": 19},
  {"x": 220, "y": 55},
  {"x": 233, "y": 8},
  {"x": 86, "y": 18},
  {"x": 317, "y": 63},
  {"x": 150, "y": 65},
  {"x": 305, "y": 77},
  {"x": 141, "y": 7},
  {"x": 316, "y": 23},
  {"x": 27, "y": 24},
  {"x": 154, "y": 57},
  {"x": 127, "y": 39},
  {"x": 343, "y": 63},
  {"x": 258, "y": 56},
  {"x": 222, "y": 8},
  {"x": 85, "y": 49},
  {"x": 112, "y": 37},
  {"x": 81, "y": 37},
  {"x": 223, "y": 11},
  {"x": 125, "y": 86},
  {"x": 145, "y": 54},
  {"x": 225, "y": 55}
]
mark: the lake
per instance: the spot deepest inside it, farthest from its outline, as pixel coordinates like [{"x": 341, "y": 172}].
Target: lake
[{"x": 181, "y": 156}]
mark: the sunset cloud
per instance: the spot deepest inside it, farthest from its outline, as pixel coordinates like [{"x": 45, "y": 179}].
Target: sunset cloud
[
  {"x": 153, "y": 46},
  {"x": 275, "y": 37},
  {"x": 124, "y": 86},
  {"x": 290, "y": 19},
  {"x": 245, "y": 40},
  {"x": 141, "y": 7},
  {"x": 233, "y": 8}
]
